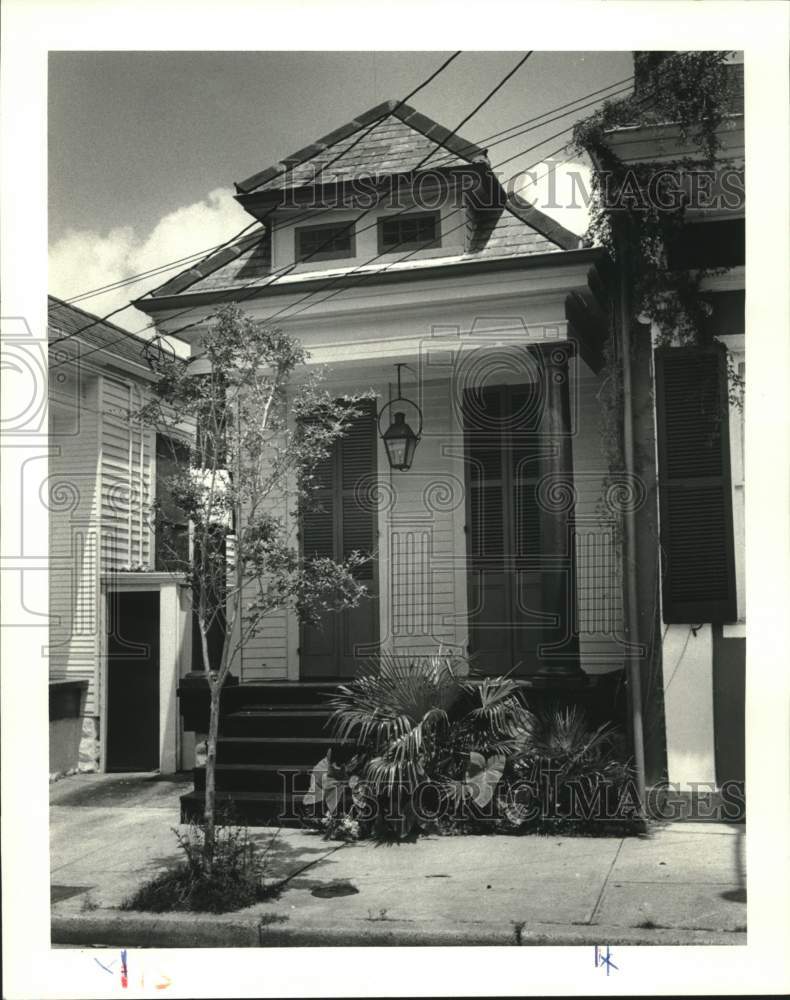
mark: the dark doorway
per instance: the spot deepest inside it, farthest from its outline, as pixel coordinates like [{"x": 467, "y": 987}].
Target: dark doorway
[
  {"x": 521, "y": 571},
  {"x": 133, "y": 681}
]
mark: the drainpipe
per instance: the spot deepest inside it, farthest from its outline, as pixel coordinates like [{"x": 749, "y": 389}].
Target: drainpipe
[{"x": 629, "y": 561}]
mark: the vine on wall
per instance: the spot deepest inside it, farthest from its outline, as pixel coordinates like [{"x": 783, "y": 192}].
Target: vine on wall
[{"x": 639, "y": 211}]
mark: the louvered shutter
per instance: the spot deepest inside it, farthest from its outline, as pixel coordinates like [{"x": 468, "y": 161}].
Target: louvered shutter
[
  {"x": 357, "y": 457},
  {"x": 694, "y": 481},
  {"x": 345, "y": 522},
  {"x": 517, "y": 606}
]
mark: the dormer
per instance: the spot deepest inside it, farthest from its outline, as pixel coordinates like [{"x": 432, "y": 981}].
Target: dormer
[
  {"x": 391, "y": 191},
  {"x": 378, "y": 189}
]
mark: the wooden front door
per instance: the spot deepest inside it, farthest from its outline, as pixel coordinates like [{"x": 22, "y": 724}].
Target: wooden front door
[
  {"x": 133, "y": 681},
  {"x": 520, "y": 567},
  {"x": 345, "y": 522}
]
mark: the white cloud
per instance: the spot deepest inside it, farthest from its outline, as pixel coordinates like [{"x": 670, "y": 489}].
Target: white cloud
[
  {"x": 561, "y": 190},
  {"x": 83, "y": 259}
]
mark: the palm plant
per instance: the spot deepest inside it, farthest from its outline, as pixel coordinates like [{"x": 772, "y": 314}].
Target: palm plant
[
  {"x": 420, "y": 718},
  {"x": 566, "y": 750},
  {"x": 398, "y": 711}
]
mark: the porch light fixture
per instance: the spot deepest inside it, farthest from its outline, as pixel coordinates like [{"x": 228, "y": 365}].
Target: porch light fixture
[{"x": 399, "y": 439}]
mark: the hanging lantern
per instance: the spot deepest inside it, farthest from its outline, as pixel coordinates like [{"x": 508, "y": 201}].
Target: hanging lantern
[{"x": 400, "y": 440}]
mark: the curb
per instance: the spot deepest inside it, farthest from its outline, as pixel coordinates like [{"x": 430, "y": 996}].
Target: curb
[{"x": 140, "y": 930}]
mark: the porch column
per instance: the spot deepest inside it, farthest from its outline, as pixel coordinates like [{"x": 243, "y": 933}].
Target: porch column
[{"x": 559, "y": 655}]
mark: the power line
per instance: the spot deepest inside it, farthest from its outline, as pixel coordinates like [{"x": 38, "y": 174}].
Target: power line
[
  {"x": 510, "y": 133},
  {"x": 256, "y": 222},
  {"x": 253, "y": 287},
  {"x": 504, "y": 135}
]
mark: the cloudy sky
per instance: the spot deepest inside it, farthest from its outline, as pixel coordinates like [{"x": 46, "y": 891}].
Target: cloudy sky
[{"x": 144, "y": 147}]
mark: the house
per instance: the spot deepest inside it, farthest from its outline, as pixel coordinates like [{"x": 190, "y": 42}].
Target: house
[
  {"x": 687, "y": 422},
  {"x": 119, "y": 632},
  {"x": 392, "y": 251}
]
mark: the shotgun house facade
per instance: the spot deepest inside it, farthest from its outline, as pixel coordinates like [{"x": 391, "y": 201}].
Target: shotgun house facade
[
  {"x": 391, "y": 250},
  {"x": 695, "y": 503},
  {"x": 119, "y": 624}
]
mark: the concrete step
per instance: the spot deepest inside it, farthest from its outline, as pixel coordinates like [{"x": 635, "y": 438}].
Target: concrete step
[
  {"x": 277, "y": 693},
  {"x": 262, "y": 720},
  {"x": 292, "y": 750}
]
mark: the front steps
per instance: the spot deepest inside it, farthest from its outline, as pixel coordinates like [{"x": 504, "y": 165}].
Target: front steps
[{"x": 271, "y": 737}]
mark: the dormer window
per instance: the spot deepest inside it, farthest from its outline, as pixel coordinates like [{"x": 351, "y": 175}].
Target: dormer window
[
  {"x": 414, "y": 231},
  {"x": 328, "y": 241}
]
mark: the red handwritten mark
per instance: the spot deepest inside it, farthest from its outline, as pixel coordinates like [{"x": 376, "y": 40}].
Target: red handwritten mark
[
  {"x": 124, "y": 970},
  {"x": 163, "y": 986}
]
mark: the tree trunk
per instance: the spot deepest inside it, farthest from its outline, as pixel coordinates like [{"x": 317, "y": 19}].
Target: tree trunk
[{"x": 211, "y": 769}]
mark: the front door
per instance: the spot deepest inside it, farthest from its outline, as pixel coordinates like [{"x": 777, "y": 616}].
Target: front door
[
  {"x": 520, "y": 582},
  {"x": 345, "y": 522},
  {"x": 133, "y": 681}
]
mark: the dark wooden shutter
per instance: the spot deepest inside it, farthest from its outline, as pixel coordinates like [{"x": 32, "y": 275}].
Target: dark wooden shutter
[
  {"x": 694, "y": 480},
  {"x": 345, "y": 522}
]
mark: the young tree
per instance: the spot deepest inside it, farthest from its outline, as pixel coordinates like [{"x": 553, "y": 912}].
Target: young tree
[{"x": 247, "y": 425}]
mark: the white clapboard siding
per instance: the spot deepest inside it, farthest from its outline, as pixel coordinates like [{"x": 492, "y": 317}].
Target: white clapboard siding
[
  {"x": 127, "y": 468},
  {"x": 71, "y": 498},
  {"x": 599, "y": 598},
  {"x": 264, "y": 656},
  {"x": 423, "y": 542}
]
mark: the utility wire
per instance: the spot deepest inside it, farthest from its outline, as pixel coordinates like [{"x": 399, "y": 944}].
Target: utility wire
[
  {"x": 504, "y": 135},
  {"x": 326, "y": 166},
  {"x": 353, "y": 224},
  {"x": 255, "y": 287}
]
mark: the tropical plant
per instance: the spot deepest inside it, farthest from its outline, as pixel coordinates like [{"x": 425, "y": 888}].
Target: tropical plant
[
  {"x": 424, "y": 730},
  {"x": 571, "y": 768}
]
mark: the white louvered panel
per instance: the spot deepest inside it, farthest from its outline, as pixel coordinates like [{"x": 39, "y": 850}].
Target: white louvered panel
[{"x": 126, "y": 478}]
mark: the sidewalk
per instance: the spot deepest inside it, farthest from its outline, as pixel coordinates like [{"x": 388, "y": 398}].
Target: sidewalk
[{"x": 683, "y": 884}]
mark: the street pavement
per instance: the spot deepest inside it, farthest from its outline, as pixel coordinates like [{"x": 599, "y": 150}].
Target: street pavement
[{"x": 682, "y": 883}]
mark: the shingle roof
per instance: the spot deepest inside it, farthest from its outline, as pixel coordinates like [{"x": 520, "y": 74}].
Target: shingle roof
[
  {"x": 66, "y": 319},
  {"x": 402, "y": 138},
  {"x": 504, "y": 234}
]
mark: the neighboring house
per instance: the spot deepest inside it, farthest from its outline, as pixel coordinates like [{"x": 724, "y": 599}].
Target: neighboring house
[
  {"x": 494, "y": 542},
  {"x": 695, "y": 440},
  {"x": 119, "y": 632}
]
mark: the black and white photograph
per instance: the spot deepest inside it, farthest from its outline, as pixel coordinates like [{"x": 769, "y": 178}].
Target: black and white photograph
[{"x": 377, "y": 557}]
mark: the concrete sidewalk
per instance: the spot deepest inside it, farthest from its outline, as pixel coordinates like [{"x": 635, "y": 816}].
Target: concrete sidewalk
[{"x": 682, "y": 884}]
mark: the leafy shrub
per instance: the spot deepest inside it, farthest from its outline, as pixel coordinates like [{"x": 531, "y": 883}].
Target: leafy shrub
[
  {"x": 231, "y": 879},
  {"x": 428, "y": 742},
  {"x": 569, "y": 775},
  {"x": 436, "y": 750}
]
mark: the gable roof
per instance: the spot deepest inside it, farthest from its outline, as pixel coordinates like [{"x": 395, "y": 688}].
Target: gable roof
[{"x": 402, "y": 138}]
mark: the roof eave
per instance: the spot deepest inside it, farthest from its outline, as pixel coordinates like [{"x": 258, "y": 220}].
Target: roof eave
[{"x": 570, "y": 257}]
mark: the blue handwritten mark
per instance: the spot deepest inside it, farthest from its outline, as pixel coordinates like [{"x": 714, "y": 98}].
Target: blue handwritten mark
[
  {"x": 104, "y": 966},
  {"x": 604, "y": 959}
]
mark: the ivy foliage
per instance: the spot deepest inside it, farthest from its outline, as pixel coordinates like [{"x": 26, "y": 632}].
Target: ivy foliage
[{"x": 693, "y": 92}]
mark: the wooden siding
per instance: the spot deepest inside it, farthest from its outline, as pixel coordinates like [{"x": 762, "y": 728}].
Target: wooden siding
[
  {"x": 71, "y": 497},
  {"x": 423, "y": 535}
]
